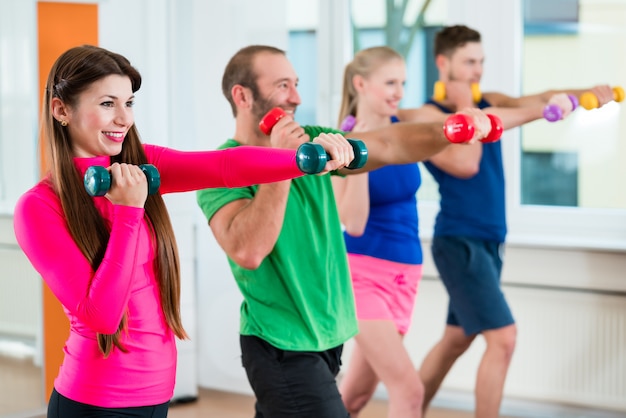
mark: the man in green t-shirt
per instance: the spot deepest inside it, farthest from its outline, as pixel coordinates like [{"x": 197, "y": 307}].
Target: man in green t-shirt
[{"x": 284, "y": 242}]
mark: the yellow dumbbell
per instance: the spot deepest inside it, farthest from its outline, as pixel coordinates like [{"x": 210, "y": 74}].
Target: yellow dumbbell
[
  {"x": 439, "y": 92},
  {"x": 589, "y": 101}
]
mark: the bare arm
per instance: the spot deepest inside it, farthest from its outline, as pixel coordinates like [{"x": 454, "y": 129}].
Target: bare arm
[
  {"x": 459, "y": 160},
  {"x": 247, "y": 229},
  {"x": 401, "y": 143},
  {"x": 462, "y": 160},
  {"x": 514, "y": 117},
  {"x": 353, "y": 203},
  {"x": 603, "y": 92}
]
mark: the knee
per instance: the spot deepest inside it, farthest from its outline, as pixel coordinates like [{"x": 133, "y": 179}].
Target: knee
[
  {"x": 460, "y": 347},
  {"x": 509, "y": 339},
  {"x": 409, "y": 391},
  {"x": 355, "y": 403},
  {"x": 457, "y": 344},
  {"x": 415, "y": 392},
  {"x": 504, "y": 339}
]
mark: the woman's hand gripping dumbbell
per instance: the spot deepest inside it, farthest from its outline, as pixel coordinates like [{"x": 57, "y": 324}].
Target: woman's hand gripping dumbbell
[
  {"x": 312, "y": 157},
  {"x": 559, "y": 106},
  {"x": 590, "y": 100},
  {"x": 98, "y": 179},
  {"x": 460, "y": 128}
]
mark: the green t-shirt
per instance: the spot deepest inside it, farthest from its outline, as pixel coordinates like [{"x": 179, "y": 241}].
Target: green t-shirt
[{"x": 300, "y": 298}]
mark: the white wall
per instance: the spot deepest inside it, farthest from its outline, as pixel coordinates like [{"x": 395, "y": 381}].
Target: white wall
[
  {"x": 219, "y": 30},
  {"x": 181, "y": 48},
  {"x": 19, "y": 96}
]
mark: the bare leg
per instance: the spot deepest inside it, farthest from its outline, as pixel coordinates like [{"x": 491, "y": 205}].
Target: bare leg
[
  {"x": 358, "y": 384},
  {"x": 440, "y": 359},
  {"x": 493, "y": 369},
  {"x": 381, "y": 346}
]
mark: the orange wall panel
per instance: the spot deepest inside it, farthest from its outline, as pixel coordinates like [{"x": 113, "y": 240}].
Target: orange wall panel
[{"x": 60, "y": 27}]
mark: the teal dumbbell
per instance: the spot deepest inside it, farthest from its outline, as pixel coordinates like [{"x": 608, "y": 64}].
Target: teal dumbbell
[
  {"x": 97, "y": 179},
  {"x": 309, "y": 155}
]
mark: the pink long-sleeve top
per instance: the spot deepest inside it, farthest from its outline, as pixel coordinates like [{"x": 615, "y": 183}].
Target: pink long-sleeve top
[{"x": 125, "y": 281}]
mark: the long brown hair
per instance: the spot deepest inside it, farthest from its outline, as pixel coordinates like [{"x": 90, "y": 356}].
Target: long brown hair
[
  {"x": 364, "y": 63},
  {"x": 72, "y": 73}
]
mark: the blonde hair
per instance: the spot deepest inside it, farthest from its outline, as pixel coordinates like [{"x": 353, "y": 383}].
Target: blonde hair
[{"x": 364, "y": 63}]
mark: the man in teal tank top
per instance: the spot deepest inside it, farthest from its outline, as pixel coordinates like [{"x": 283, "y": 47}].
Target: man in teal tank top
[
  {"x": 470, "y": 228},
  {"x": 284, "y": 241}
]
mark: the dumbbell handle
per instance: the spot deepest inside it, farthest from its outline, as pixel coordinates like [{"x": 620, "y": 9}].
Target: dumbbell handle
[
  {"x": 311, "y": 157},
  {"x": 553, "y": 112},
  {"x": 97, "y": 179},
  {"x": 589, "y": 101},
  {"x": 439, "y": 92},
  {"x": 312, "y": 160},
  {"x": 459, "y": 128}
]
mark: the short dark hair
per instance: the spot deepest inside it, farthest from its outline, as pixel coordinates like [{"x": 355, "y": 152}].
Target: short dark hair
[
  {"x": 240, "y": 70},
  {"x": 452, "y": 37}
]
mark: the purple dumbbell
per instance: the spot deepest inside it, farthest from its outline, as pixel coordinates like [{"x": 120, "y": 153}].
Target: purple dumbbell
[
  {"x": 348, "y": 123},
  {"x": 553, "y": 113}
]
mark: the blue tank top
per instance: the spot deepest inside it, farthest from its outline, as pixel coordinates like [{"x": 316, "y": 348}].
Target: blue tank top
[
  {"x": 473, "y": 207},
  {"x": 391, "y": 232}
]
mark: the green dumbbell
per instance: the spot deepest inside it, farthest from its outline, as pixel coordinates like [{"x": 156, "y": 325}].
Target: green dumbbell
[
  {"x": 309, "y": 155},
  {"x": 97, "y": 179}
]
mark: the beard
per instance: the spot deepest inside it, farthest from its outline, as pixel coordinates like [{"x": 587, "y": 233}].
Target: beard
[{"x": 261, "y": 106}]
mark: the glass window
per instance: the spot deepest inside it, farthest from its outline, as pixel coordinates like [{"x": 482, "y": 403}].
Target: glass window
[
  {"x": 408, "y": 27},
  {"x": 577, "y": 162},
  {"x": 302, "y": 45},
  {"x": 562, "y": 182},
  {"x": 302, "y": 50},
  {"x": 374, "y": 22}
]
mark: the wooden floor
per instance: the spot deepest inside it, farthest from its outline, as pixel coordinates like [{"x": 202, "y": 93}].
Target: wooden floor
[
  {"x": 22, "y": 395},
  {"x": 228, "y": 405},
  {"x": 21, "y": 391},
  {"x": 21, "y": 387}
]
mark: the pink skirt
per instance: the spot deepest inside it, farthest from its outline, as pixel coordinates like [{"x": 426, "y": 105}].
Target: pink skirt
[{"x": 384, "y": 290}]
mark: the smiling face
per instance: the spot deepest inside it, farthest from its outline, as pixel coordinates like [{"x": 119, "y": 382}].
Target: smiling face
[
  {"x": 97, "y": 124},
  {"x": 277, "y": 84},
  {"x": 382, "y": 91}
]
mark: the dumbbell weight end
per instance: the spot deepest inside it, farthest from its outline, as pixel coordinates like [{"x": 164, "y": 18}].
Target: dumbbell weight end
[
  {"x": 459, "y": 128},
  {"x": 97, "y": 179},
  {"x": 553, "y": 113},
  {"x": 312, "y": 158}
]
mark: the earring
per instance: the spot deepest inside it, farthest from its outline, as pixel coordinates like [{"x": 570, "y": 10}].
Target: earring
[{"x": 63, "y": 123}]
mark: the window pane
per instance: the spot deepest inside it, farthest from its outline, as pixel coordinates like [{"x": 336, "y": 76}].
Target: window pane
[
  {"x": 372, "y": 27},
  {"x": 301, "y": 52},
  {"x": 576, "y": 162},
  {"x": 303, "y": 21},
  {"x": 376, "y": 24}
]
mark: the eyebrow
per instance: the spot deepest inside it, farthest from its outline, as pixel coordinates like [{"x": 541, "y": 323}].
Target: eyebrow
[
  {"x": 281, "y": 80},
  {"x": 109, "y": 96}
]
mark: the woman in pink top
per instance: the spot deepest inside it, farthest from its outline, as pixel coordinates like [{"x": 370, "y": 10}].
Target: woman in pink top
[{"x": 112, "y": 261}]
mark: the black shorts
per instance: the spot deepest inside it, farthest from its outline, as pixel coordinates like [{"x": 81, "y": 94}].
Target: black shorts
[
  {"x": 289, "y": 384},
  {"x": 61, "y": 407}
]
